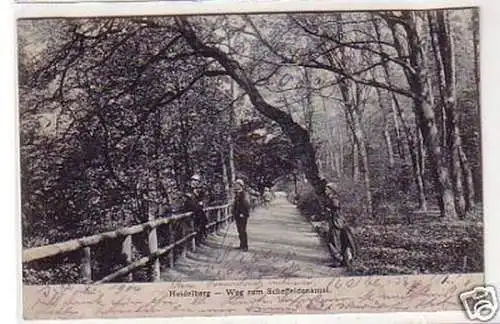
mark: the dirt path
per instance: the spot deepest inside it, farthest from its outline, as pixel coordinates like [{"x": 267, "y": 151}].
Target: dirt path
[{"x": 282, "y": 244}]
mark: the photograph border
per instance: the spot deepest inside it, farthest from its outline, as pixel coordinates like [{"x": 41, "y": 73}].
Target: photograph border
[{"x": 489, "y": 116}]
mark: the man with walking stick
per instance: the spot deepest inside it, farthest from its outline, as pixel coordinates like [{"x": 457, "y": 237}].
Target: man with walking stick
[{"x": 241, "y": 212}]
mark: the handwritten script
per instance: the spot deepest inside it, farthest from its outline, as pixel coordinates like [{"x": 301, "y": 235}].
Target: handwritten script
[{"x": 319, "y": 295}]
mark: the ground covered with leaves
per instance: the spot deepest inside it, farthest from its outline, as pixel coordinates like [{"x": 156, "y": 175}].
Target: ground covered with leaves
[
  {"x": 433, "y": 247},
  {"x": 402, "y": 242},
  {"x": 427, "y": 247}
]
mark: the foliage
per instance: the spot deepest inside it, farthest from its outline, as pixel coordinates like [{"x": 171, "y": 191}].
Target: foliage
[
  {"x": 263, "y": 153},
  {"x": 431, "y": 247},
  {"x": 116, "y": 112}
]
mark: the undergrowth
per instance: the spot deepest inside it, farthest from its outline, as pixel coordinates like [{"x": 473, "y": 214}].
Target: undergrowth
[{"x": 395, "y": 241}]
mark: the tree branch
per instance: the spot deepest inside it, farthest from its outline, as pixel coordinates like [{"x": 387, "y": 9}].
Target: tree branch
[
  {"x": 315, "y": 64},
  {"x": 297, "y": 134}
]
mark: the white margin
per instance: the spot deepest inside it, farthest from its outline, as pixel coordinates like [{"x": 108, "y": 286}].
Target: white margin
[{"x": 112, "y": 8}]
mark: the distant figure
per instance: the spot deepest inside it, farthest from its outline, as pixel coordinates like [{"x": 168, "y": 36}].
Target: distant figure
[
  {"x": 195, "y": 203},
  {"x": 241, "y": 212},
  {"x": 267, "y": 196}
]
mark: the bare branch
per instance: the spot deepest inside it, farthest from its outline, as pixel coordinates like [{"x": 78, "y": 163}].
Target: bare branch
[{"x": 315, "y": 64}]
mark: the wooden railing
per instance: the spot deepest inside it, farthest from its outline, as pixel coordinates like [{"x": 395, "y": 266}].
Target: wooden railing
[{"x": 218, "y": 216}]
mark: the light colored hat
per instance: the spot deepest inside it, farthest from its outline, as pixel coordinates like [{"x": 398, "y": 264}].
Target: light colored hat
[
  {"x": 196, "y": 177},
  {"x": 240, "y": 182},
  {"x": 331, "y": 186}
]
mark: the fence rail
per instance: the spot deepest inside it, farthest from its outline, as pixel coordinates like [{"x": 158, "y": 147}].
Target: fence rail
[{"x": 218, "y": 215}]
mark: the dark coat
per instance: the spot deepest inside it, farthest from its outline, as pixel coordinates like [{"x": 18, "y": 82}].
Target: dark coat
[
  {"x": 334, "y": 216},
  {"x": 241, "y": 204},
  {"x": 195, "y": 202}
]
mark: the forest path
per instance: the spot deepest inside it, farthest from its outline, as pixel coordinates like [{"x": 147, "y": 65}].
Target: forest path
[{"x": 282, "y": 244}]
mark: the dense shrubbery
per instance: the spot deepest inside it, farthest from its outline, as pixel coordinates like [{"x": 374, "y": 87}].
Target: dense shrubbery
[
  {"x": 352, "y": 197},
  {"x": 308, "y": 204}
]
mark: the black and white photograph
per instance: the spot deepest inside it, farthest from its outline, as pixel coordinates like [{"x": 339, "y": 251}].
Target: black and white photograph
[{"x": 214, "y": 147}]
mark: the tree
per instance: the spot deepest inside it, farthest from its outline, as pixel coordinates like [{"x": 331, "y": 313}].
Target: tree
[
  {"x": 412, "y": 135},
  {"x": 424, "y": 102},
  {"x": 120, "y": 118},
  {"x": 443, "y": 44},
  {"x": 303, "y": 148}
]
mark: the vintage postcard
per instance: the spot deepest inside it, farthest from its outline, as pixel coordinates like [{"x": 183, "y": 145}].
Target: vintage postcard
[{"x": 214, "y": 161}]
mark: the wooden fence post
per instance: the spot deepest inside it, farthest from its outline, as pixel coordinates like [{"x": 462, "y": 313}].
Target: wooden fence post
[
  {"x": 184, "y": 231},
  {"x": 153, "y": 242},
  {"x": 209, "y": 214},
  {"x": 153, "y": 247},
  {"x": 127, "y": 253},
  {"x": 226, "y": 221},
  {"x": 171, "y": 240},
  {"x": 218, "y": 225},
  {"x": 86, "y": 266},
  {"x": 193, "y": 238}
]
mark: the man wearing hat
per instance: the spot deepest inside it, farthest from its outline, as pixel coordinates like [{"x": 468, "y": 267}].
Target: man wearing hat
[
  {"x": 195, "y": 204},
  {"x": 241, "y": 212},
  {"x": 333, "y": 202}
]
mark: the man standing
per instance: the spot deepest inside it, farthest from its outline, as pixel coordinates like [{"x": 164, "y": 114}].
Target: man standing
[
  {"x": 241, "y": 212},
  {"x": 195, "y": 203}
]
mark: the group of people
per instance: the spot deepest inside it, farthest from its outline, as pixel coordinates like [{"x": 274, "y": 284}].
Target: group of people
[
  {"x": 339, "y": 234},
  {"x": 195, "y": 203}
]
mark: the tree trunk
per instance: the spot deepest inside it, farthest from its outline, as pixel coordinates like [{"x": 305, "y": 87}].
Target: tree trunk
[
  {"x": 477, "y": 74},
  {"x": 319, "y": 163},
  {"x": 411, "y": 138},
  {"x": 232, "y": 170},
  {"x": 477, "y": 66},
  {"x": 355, "y": 160},
  {"x": 184, "y": 145},
  {"x": 352, "y": 97},
  {"x": 386, "y": 133},
  {"x": 436, "y": 49},
  {"x": 363, "y": 152},
  {"x": 400, "y": 145},
  {"x": 360, "y": 150},
  {"x": 469, "y": 180},
  {"x": 178, "y": 170},
  {"x": 341, "y": 157},
  {"x": 308, "y": 108},
  {"x": 419, "y": 181},
  {"x": 420, "y": 151},
  {"x": 446, "y": 51},
  {"x": 457, "y": 176},
  {"x": 336, "y": 164},
  {"x": 413, "y": 148},
  {"x": 388, "y": 144},
  {"x": 225, "y": 177},
  {"x": 300, "y": 138},
  {"x": 162, "y": 193},
  {"x": 352, "y": 127},
  {"x": 424, "y": 101}
]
